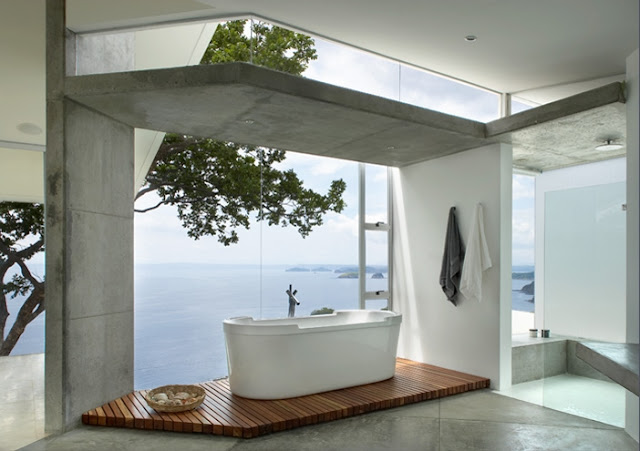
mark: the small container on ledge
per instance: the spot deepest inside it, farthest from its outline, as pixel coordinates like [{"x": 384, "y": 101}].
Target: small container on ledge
[{"x": 533, "y": 333}]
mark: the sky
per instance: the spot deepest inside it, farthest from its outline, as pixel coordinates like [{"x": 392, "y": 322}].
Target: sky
[
  {"x": 159, "y": 237},
  {"x": 523, "y": 220}
]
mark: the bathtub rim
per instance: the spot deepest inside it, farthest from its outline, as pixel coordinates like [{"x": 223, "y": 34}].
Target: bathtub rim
[{"x": 247, "y": 325}]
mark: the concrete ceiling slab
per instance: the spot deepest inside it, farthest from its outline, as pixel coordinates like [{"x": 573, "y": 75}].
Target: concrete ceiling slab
[
  {"x": 252, "y": 105},
  {"x": 565, "y": 132},
  {"x": 569, "y": 141}
]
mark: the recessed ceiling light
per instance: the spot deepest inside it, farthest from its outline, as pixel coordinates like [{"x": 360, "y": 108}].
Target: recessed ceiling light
[
  {"x": 249, "y": 121},
  {"x": 471, "y": 38},
  {"x": 391, "y": 148},
  {"x": 29, "y": 128},
  {"x": 609, "y": 145}
]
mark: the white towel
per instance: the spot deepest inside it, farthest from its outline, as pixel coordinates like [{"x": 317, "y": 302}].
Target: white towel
[{"x": 477, "y": 259}]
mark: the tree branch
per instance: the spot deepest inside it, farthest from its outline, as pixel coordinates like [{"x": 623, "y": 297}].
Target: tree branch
[
  {"x": 144, "y": 210},
  {"x": 27, "y": 273},
  {"x": 4, "y": 314},
  {"x": 15, "y": 257},
  {"x": 28, "y": 252},
  {"x": 32, "y": 307},
  {"x": 144, "y": 191}
]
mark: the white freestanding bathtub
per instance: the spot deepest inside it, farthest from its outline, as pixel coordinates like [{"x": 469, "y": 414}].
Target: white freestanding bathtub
[{"x": 283, "y": 358}]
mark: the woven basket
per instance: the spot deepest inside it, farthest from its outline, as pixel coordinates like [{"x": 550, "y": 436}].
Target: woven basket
[{"x": 198, "y": 393}]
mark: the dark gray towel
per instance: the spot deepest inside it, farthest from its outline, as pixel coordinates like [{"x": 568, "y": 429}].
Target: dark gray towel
[{"x": 452, "y": 259}]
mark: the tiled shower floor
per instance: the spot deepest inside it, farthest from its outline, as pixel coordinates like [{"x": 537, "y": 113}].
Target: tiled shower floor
[{"x": 589, "y": 398}]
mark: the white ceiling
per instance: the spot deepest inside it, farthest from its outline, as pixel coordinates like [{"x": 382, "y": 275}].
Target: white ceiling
[
  {"x": 525, "y": 47},
  {"x": 522, "y": 44}
]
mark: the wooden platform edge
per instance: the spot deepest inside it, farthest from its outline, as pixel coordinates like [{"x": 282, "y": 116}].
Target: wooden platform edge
[{"x": 223, "y": 413}]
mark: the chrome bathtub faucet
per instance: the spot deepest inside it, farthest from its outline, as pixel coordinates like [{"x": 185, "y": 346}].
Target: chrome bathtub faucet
[{"x": 292, "y": 301}]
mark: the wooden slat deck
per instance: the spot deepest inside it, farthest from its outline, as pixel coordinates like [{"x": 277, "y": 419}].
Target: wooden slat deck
[{"x": 223, "y": 413}]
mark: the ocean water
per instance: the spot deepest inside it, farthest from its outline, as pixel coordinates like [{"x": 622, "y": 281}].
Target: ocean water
[
  {"x": 179, "y": 309},
  {"x": 520, "y": 301}
]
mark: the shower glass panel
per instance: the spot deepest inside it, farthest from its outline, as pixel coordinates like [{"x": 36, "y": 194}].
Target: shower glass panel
[{"x": 584, "y": 296}]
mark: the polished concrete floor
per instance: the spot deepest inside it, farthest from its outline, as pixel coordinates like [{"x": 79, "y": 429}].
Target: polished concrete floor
[
  {"x": 481, "y": 420},
  {"x": 21, "y": 400}
]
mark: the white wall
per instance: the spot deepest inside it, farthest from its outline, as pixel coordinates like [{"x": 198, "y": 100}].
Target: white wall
[
  {"x": 633, "y": 251},
  {"x": 471, "y": 337},
  {"x": 18, "y": 184},
  {"x": 579, "y": 314}
]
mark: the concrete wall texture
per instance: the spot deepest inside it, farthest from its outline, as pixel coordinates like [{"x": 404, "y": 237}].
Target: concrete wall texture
[
  {"x": 89, "y": 239},
  {"x": 466, "y": 337},
  {"x": 90, "y": 325}
]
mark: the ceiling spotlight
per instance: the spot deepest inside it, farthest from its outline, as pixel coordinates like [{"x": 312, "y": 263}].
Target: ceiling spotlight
[
  {"x": 391, "y": 148},
  {"x": 609, "y": 145},
  {"x": 29, "y": 128},
  {"x": 471, "y": 38},
  {"x": 249, "y": 121}
]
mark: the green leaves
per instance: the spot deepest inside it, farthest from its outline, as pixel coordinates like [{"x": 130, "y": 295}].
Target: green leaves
[
  {"x": 19, "y": 220},
  {"x": 217, "y": 186},
  {"x": 18, "y": 285},
  {"x": 264, "y": 45},
  {"x": 323, "y": 311}
]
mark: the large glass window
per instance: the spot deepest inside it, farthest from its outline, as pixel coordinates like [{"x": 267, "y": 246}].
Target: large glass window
[
  {"x": 375, "y": 230},
  {"x": 321, "y": 266},
  {"x": 355, "y": 69},
  {"x": 518, "y": 105},
  {"x": 427, "y": 90},
  {"x": 522, "y": 254},
  {"x": 185, "y": 288}
]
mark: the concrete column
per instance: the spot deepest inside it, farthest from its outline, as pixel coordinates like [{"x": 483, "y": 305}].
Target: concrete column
[
  {"x": 54, "y": 223},
  {"x": 89, "y": 249}
]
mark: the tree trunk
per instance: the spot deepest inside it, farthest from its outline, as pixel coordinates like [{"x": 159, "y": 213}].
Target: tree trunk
[{"x": 32, "y": 307}]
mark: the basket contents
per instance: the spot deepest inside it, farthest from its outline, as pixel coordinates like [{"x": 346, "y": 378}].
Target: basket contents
[{"x": 175, "y": 398}]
